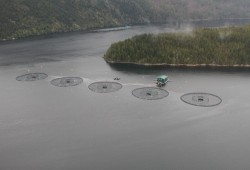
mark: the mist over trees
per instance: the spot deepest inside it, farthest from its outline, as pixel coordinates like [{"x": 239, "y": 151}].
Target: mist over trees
[
  {"x": 21, "y": 18},
  {"x": 209, "y": 46}
]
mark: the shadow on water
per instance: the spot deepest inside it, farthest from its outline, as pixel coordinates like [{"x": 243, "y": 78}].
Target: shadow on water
[{"x": 141, "y": 69}]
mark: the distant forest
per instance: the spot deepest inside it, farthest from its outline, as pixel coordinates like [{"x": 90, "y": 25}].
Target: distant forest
[
  {"x": 207, "y": 46},
  {"x": 22, "y": 18}
]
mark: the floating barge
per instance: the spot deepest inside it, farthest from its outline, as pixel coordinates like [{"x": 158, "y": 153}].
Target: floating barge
[{"x": 161, "y": 80}]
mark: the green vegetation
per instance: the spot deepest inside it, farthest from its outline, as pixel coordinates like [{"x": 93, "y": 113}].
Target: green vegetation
[
  {"x": 22, "y": 18},
  {"x": 221, "y": 46}
]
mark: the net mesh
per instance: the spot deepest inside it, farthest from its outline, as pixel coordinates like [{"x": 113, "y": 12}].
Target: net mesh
[
  {"x": 32, "y": 77},
  {"x": 67, "y": 81},
  {"x": 105, "y": 87},
  {"x": 150, "y": 93},
  {"x": 201, "y": 99}
]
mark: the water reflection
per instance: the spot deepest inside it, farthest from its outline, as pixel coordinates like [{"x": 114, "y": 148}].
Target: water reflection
[{"x": 45, "y": 127}]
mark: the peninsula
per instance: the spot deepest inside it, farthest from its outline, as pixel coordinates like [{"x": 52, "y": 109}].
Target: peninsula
[{"x": 201, "y": 47}]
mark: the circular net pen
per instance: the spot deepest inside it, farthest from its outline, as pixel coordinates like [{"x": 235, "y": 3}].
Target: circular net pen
[
  {"x": 32, "y": 77},
  {"x": 150, "y": 93},
  {"x": 201, "y": 99},
  {"x": 105, "y": 87},
  {"x": 67, "y": 81}
]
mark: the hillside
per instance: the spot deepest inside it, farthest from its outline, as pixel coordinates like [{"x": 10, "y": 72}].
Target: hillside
[
  {"x": 22, "y": 18},
  {"x": 208, "y": 46}
]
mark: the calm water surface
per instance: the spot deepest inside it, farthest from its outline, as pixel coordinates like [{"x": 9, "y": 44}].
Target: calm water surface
[{"x": 46, "y": 127}]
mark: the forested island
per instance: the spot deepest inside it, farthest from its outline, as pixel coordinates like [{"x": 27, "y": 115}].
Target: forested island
[
  {"x": 227, "y": 46},
  {"x": 23, "y": 18}
]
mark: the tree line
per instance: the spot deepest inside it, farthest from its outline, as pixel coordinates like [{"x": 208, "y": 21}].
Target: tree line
[
  {"x": 22, "y": 18},
  {"x": 220, "y": 46}
]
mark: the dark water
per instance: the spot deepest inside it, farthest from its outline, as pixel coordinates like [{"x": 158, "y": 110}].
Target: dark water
[{"x": 47, "y": 127}]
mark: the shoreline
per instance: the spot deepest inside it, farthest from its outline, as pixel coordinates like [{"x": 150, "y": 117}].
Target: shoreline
[
  {"x": 120, "y": 27},
  {"x": 92, "y": 30},
  {"x": 180, "y": 65}
]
